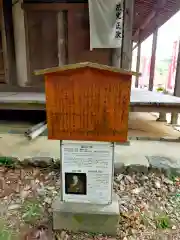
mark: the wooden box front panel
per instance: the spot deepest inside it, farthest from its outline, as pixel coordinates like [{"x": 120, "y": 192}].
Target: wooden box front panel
[{"x": 87, "y": 104}]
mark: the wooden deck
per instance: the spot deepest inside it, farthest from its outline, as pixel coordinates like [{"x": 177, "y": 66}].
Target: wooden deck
[{"x": 141, "y": 101}]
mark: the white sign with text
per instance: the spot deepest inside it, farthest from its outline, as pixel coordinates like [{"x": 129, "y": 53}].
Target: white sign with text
[{"x": 87, "y": 172}]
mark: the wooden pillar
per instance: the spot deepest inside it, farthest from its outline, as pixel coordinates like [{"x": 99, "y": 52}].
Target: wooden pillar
[
  {"x": 8, "y": 25},
  {"x": 174, "y": 116},
  {"x": 4, "y": 48},
  {"x": 116, "y": 53},
  {"x": 126, "y": 54},
  {"x": 162, "y": 116},
  {"x": 138, "y": 62},
  {"x": 62, "y": 28},
  {"x": 20, "y": 43},
  {"x": 122, "y": 57},
  {"x": 153, "y": 60},
  {"x": 116, "y": 57}
]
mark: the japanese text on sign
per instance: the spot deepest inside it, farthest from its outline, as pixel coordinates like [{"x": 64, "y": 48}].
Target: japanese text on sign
[
  {"x": 87, "y": 172},
  {"x": 119, "y": 20}
]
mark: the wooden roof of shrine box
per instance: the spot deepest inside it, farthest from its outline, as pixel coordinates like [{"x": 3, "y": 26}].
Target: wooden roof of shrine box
[{"x": 87, "y": 102}]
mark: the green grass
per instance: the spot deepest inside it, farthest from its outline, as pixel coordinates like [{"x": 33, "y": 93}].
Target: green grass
[
  {"x": 160, "y": 89},
  {"x": 159, "y": 219},
  {"x": 7, "y": 161},
  {"x": 163, "y": 221},
  {"x": 6, "y": 233},
  {"x": 31, "y": 211}
]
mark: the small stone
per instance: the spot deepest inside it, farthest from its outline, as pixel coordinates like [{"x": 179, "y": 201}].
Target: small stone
[
  {"x": 129, "y": 179},
  {"x": 115, "y": 185},
  {"x": 3, "y": 209},
  {"x": 50, "y": 188},
  {"x": 54, "y": 193},
  {"x": 167, "y": 181},
  {"x": 35, "y": 184},
  {"x": 27, "y": 187},
  {"x": 14, "y": 207},
  {"x": 171, "y": 188},
  {"x": 144, "y": 178},
  {"x": 41, "y": 161},
  {"x": 24, "y": 194},
  {"x": 157, "y": 184},
  {"x": 122, "y": 187},
  {"x": 49, "y": 210},
  {"x": 63, "y": 234},
  {"x": 36, "y": 173},
  {"x": 48, "y": 200},
  {"x": 28, "y": 177},
  {"x": 41, "y": 191},
  {"x": 119, "y": 177},
  {"x": 137, "y": 190},
  {"x": 47, "y": 177},
  {"x": 174, "y": 227},
  {"x": 131, "y": 238},
  {"x": 144, "y": 206}
]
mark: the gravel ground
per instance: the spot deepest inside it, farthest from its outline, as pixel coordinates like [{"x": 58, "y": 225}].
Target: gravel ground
[{"x": 149, "y": 206}]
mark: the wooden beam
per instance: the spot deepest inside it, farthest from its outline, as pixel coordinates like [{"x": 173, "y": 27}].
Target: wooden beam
[
  {"x": 53, "y": 6},
  {"x": 157, "y": 7},
  {"x": 126, "y": 54},
  {"x": 145, "y": 23},
  {"x": 153, "y": 60}
]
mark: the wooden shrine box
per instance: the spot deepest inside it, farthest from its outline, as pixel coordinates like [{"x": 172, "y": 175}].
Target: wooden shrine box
[{"x": 87, "y": 101}]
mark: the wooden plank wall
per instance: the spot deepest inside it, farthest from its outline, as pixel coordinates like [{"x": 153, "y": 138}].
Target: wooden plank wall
[
  {"x": 59, "y": 36},
  {"x": 79, "y": 40},
  {"x": 42, "y": 42}
]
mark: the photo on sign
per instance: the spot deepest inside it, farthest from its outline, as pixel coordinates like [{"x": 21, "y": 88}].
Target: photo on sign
[{"x": 76, "y": 183}]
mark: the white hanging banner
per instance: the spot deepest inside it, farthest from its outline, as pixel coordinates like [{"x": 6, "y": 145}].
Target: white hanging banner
[{"x": 106, "y": 23}]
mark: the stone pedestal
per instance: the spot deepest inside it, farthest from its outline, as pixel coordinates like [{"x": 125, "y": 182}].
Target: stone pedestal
[
  {"x": 174, "y": 118},
  {"x": 86, "y": 217},
  {"x": 162, "y": 117}
]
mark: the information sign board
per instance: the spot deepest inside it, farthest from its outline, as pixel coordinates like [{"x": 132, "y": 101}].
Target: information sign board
[{"x": 87, "y": 172}]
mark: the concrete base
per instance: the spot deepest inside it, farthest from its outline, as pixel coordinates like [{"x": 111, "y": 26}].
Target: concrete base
[
  {"x": 174, "y": 118},
  {"x": 162, "y": 117},
  {"x": 84, "y": 217}
]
